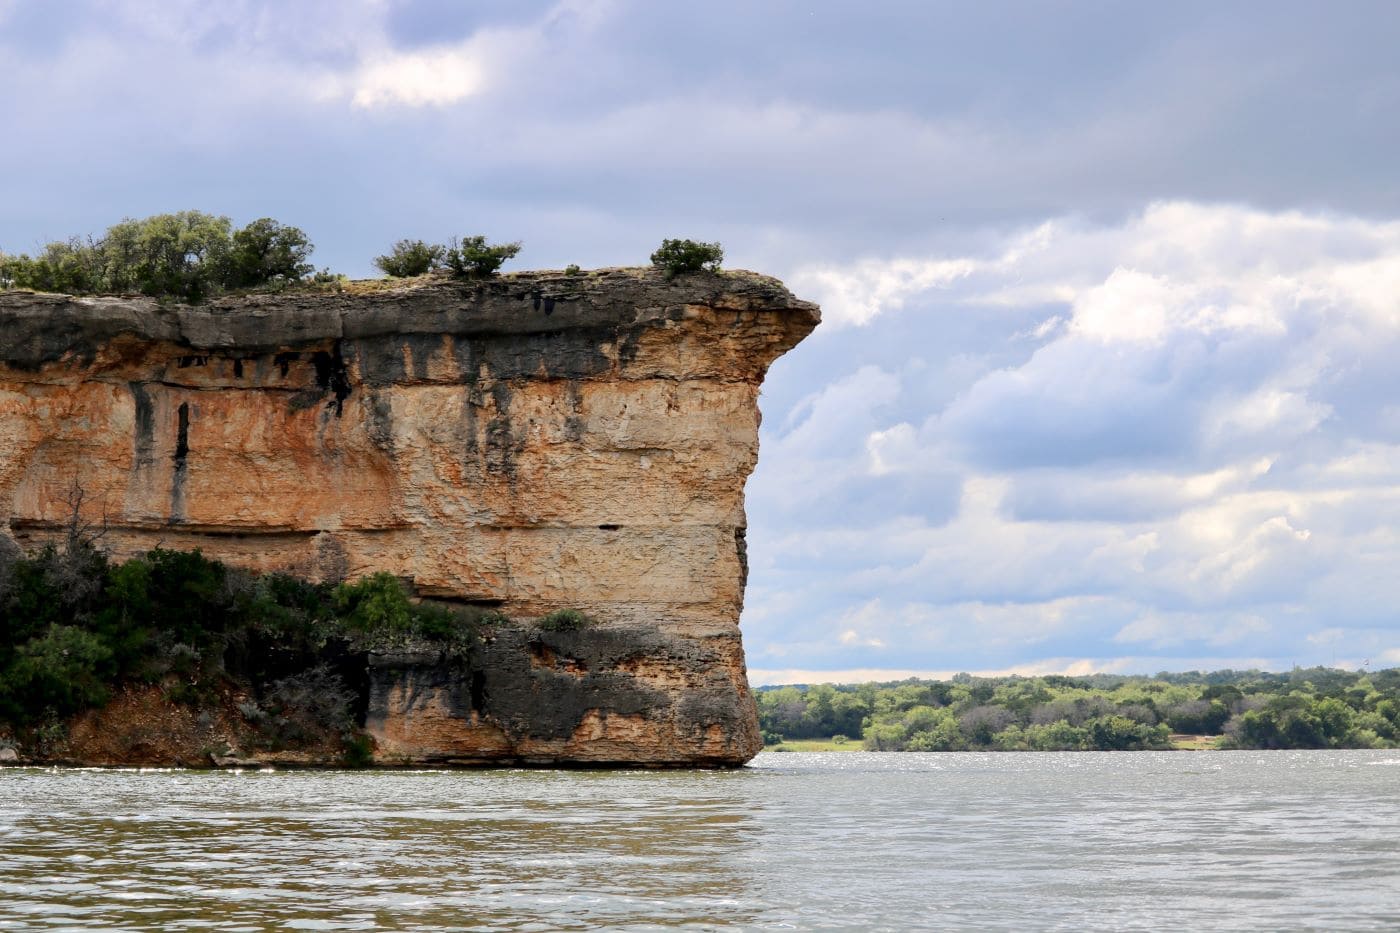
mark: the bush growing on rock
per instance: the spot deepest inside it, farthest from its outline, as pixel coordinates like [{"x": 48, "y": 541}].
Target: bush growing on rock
[
  {"x": 313, "y": 705},
  {"x": 73, "y": 625},
  {"x": 473, "y": 258},
  {"x": 469, "y": 258},
  {"x": 677, "y": 256},
  {"x": 564, "y": 620},
  {"x": 266, "y": 251},
  {"x": 409, "y": 258},
  {"x": 379, "y": 609},
  {"x": 189, "y": 255}
]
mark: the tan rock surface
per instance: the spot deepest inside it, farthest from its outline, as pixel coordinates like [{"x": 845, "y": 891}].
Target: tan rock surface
[{"x": 535, "y": 442}]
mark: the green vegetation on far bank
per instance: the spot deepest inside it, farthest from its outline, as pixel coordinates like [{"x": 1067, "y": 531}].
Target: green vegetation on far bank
[{"x": 1303, "y": 708}]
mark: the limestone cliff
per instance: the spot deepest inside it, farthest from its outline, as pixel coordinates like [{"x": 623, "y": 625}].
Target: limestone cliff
[{"x": 532, "y": 442}]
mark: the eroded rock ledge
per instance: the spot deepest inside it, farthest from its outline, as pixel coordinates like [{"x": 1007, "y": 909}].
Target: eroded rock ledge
[{"x": 532, "y": 442}]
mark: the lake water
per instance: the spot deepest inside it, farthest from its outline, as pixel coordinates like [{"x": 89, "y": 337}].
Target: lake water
[{"x": 1232, "y": 840}]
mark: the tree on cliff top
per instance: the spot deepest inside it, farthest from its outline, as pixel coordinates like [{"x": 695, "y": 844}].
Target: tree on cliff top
[
  {"x": 409, "y": 258},
  {"x": 189, "y": 255},
  {"x": 266, "y": 250},
  {"x": 471, "y": 257},
  {"x": 474, "y": 258},
  {"x": 677, "y": 256}
]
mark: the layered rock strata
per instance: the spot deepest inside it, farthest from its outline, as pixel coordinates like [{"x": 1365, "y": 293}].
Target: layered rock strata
[{"x": 532, "y": 442}]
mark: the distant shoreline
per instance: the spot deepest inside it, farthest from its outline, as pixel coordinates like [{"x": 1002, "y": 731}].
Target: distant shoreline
[
  {"x": 1180, "y": 743},
  {"x": 1192, "y": 711}
]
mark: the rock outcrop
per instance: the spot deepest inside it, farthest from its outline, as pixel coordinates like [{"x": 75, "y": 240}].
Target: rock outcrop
[{"x": 533, "y": 442}]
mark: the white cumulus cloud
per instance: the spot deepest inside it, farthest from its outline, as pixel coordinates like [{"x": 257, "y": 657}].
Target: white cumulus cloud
[
  {"x": 1191, "y": 440},
  {"x": 419, "y": 78}
]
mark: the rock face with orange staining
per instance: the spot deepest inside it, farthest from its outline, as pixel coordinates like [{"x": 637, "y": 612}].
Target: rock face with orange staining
[{"x": 533, "y": 442}]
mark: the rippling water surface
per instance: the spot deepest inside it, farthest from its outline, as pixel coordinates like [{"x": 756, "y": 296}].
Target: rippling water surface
[{"x": 1128, "y": 840}]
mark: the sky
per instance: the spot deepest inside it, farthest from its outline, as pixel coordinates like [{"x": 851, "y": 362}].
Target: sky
[{"x": 1107, "y": 376}]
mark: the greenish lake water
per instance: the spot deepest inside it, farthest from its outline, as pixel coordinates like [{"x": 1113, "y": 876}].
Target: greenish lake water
[{"x": 1129, "y": 840}]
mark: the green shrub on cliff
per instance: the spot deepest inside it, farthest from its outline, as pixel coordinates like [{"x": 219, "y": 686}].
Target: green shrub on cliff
[
  {"x": 564, "y": 620},
  {"x": 409, "y": 258},
  {"x": 677, "y": 256},
  {"x": 473, "y": 258},
  {"x": 189, "y": 255},
  {"x": 64, "y": 669},
  {"x": 470, "y": 257},
  {"x": 73, "y": 625},
  {"x": 378, "y": 610},
  {"x": 266, "y": 251}
]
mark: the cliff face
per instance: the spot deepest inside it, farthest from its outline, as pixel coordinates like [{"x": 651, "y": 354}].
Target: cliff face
[{"x": 533, "y": 442}]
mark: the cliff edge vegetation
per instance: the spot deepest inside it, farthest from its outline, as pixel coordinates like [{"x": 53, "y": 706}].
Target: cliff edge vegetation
[{"x": 188, "y": 256}]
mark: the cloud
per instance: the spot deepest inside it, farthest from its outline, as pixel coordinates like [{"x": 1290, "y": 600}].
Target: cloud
[
  {"x": 1070, "y": 667},
  {"x": 318, "y": 51},
  {"x": 420, "y": 78},
  {"x": 1175, "y": 266},
  {"x": 445, "y": 74},
  {"x": 591, "y": 130},
  {"x": 857, "y": 294},
  {"x": 1189, "y": 442},
  {"x": 1168, "y": 629}
]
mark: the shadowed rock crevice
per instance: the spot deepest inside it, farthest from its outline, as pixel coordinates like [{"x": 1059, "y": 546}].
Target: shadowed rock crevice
[{"x": 181, "y": 459}]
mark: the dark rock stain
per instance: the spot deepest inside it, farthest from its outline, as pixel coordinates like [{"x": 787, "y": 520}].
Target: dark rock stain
[
  {"x": 471, "y": 401},
  {"x": 478, "y": 691},
  {"x": 145, "y": 422},
  {"x": 627, "y": 346},
  {"x": 501, "y": 443},
  {"x": 539, "y": 685},
  {"x": 530, "y": 701},
  {"x": 332, "y": 376},
  {"x": 573, "y": 421},
  {"x": 284, "y": 361},
  {"x": 539, "y": 299},
  {"x": 181, "y": 460},
  {"x": 579, "y": 353},
  {"x": 741, "y": 547},
  {"x": 379, "y": 421}
]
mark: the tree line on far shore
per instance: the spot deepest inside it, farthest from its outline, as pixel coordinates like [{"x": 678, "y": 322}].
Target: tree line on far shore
[
  {"x": 1303, "y": 708},
  {"x": 192, "y": 256}
]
